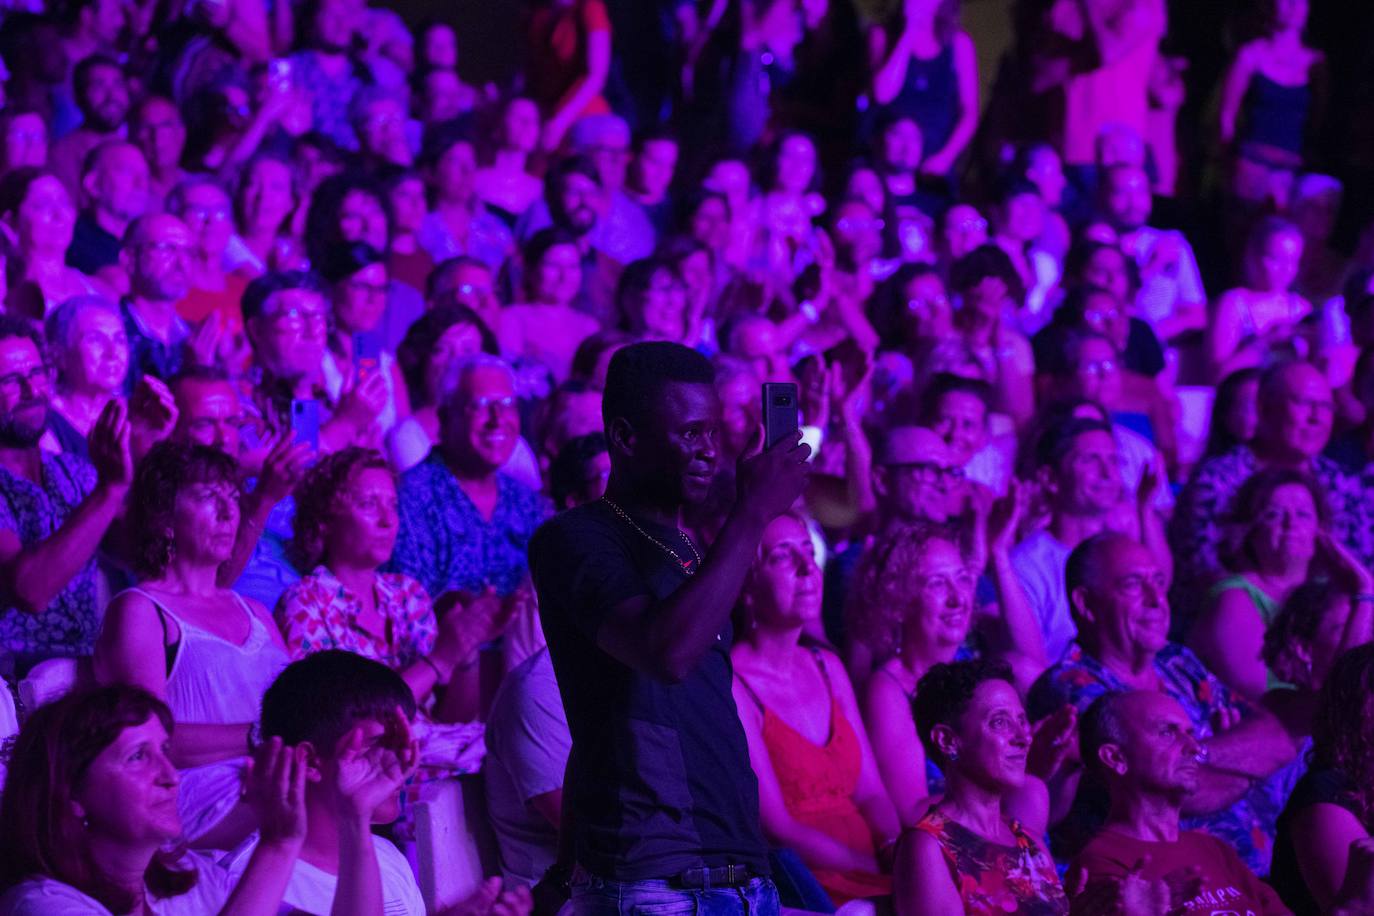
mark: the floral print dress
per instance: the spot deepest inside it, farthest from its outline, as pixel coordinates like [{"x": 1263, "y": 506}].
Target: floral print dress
[{"x": 997, "y": 879}]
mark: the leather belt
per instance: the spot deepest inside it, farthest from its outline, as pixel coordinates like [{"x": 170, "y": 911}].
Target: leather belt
[{"x": 707, "y": 878}]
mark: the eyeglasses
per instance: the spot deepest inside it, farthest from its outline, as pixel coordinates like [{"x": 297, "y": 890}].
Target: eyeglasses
[
  {"x": 207, "y": 214},
  {"x": 970, "y": 225},
  {"x": 1097, "y": 316},
  {"x": 926, "y": 304},
  {"x": 484, "y": 404},
  {"x": 929, "y": 471},
  {"x": 296, "y": 313},
  {"x": 1098, "y": 367},
  {"x": 941, "y": 585},
  {"x": 166, "y": 249},
  {"x": 38, "y": 377}
]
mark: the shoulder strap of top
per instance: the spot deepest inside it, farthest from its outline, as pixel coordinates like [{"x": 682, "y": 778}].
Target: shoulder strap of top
[
  {"x": 750, "y": 690},
  {"x": 169, "y": 649},
  {"x": 825, "y": 672}
]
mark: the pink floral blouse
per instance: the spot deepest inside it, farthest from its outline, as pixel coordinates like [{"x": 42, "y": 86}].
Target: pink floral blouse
[{"x": 319, "y": 613}]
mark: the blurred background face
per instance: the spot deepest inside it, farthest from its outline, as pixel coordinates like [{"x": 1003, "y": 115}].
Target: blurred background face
[
  {"x": 710, "y": 224},
  {"x": 46, "y": 218},
  {"x": 26, "y": 141},
  {"x": 24, "y": 392},
  {"x": 1129, "y": 604},
  {"x": 106, "y": 98},
  {"x": 362, "y": 527},
  {"x": 1302, "y": 421},
  {"x": 209, "y": 218},
  {"x": 1275, "y": 264},
  {"x": 579, "y": 201},
  {"x": 796, "y": 164},
  {"x": 266, "y": 198},
  {"x": 1103, "y": 314},
  {"x": 162, "y": 260},
  {"x": 1286, "y": 530},
  {"x": 784, "y": 588},
  {"x": 408, "y": 205},
  {"x": 453, "y": 173},
  {"x": 439, "y": 47},
  {"x": 558, "y": 276},
  {"x": 483, "y": 423},
  {"x": 1107, "y": 268},
  {"x": 915, "y": 475},
  {"x": 654, "y": 167},
  {"x": 1241, "y": 417},
  {"x": 360, "y": 300},
  {"x": 363, "y": 219},
  {"x": 520, "y": 125},
  {"x": 663, "y": 306},
  {"x": 457, "y": 341},
  {"x": 865, "y": 185},
  {"x": 209, "y": 413},
  {"x": 119, "y": 183},
  {"x": 99, "y": 352},
  {"x": 859, "y": 231},
  {"x": 335, "y": 23},
  {"x": 961, "y": 420},
  {"x": 382, "y": 128},
  {"x": 965, "y": 230},
  {"x": 289, "y": 337},
  {"x": 1127, "y": 198},
  {"x": 901, "y": 146},
  {"x": 928, "y": 313},
  {"x": 160, "y": 134},
  {"x": 1046, "y": 172},
  {"x": 443, "y": 96},
  {"x": 1097, "y": 373},
  {"x": 1023, "y": 217},
  {"x": 740, "y": 401},
  {"x": 1088, "y": 481}
]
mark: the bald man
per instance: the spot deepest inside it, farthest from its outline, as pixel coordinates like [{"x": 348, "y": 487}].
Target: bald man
[{"x": 114, "y": 192}]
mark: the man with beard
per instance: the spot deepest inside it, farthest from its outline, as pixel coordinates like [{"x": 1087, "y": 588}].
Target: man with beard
[
  {"x": 157, "y": 259},
  {"x": 114, "y": 193},
  {"x": 102, "y": 96},
  {"x": 1144, "y": 748},
  {"x": 54, "y": 510},
  {"x": 661, "y": 802}
]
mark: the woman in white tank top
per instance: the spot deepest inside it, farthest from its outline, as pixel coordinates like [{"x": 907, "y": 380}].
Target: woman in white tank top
[{"x": 208, "y": 652}]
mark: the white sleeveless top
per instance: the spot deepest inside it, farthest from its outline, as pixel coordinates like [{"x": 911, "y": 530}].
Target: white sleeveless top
[{"x": 216, "y": 682}]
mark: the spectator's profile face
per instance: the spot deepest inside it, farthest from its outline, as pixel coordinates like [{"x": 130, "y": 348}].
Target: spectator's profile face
[
  {"x": 119, "y": 182},
  {"x": 579, "y": 201},
  {"x": 940, "y": 586},
  {"x": 24, "y": 392},
  {"x": 439, "y": 47},
  {"x": 784, "y": 585},
  {"x": 453, "y": 173},
  {"x": 1126, "y": 198},
  {"x": 205, "y": 521},
  {"x": 1305, "y": 412},
  {"x": 1276, "y": 262},
  {"x": 362, "y": 526},
  {"x": 663, "y": 307},
  {"x": 1160, "y": 751},
  {"x": 160, "y": 134},
  {"x": 993, "y": 736},
  {"x": 1088, "y": 480},
  {"x": 408, "y": 206},
  {"x": 965, "y": 230},
  {"x": 901, "y": 146},
  {"x": 130, "y": 789},
  {"x": 443, "y": 96},
  {"x": 1046, "y": 172},
  {"x": 1097, "y": 373},
  {"x": 209, "y": 217},
  {"x": 796, "y": 165},
  {"x": 105, "y": 99},
  {"x": 363, "y": 219},
  {"x": 289, "y": 335},
  {"x": 209, "y": 413},
  {"x": 961, "y": 420},
  {"x": 1287, "y": 526},
  {"x": 161, "y": 264},
  {"x": 26, "y": 141},
  {"x": 266, "y": 199},
  {"x": 710, "y": 224},
  {"x": 458, "y": 341},
  {"x": 679, "y": 444},
  {"x": 928, "y": 315},
  {"x": 361, "y": 299},
  {"x": 99, "y": 356},
  {"x": 654, "y": 167},
  {"x": 483, "y": 422},
  {"x": 1128, "y": 603},
  {"x": 520, "y": 125},
  {"x": 46, "y": 217},
  {"x": 558, "y": 276}
]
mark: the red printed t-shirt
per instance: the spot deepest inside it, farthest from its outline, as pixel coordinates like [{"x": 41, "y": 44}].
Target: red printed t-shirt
[{"x": 1227, "y": 885}]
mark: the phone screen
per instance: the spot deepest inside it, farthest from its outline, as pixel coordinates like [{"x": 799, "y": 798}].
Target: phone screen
[
  {"x": 781, "y": 412},
  {"x": 305, "y": 421}
]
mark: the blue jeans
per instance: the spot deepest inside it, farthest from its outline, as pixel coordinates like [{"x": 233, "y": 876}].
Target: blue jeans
[{"x": 592, "y": 896}]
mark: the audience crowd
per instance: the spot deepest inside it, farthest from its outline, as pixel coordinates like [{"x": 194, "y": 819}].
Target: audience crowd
[{"x": 381, "y": 413}]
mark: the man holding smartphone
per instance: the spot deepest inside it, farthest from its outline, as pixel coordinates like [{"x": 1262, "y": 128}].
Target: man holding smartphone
[{"x": 660, "y": 799}]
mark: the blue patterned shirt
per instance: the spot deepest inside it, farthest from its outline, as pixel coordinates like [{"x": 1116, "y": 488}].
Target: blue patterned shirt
[
  {"x": 68, "y": 626},
  {"x": 446, "y": 545},
  {"x": 1248, "y": 825}
]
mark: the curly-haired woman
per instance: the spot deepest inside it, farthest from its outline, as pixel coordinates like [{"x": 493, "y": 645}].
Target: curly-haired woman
[
  {"x": 1332, "y": 806},
  {"x": 208, "y": 652}
]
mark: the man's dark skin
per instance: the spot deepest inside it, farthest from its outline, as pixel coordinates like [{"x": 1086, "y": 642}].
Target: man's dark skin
[{"x": 655, "y": 471}]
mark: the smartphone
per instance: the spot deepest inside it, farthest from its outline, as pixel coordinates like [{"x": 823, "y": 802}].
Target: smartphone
[
  {"x": 781, "y": 412},
  {"x": 305, "y": 421},
  {"x": 367, "y": 350}
]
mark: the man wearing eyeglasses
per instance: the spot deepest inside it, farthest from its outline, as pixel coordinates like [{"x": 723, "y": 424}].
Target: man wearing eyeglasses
[
  {"x": 157, "y": 259},
  {"x": 54, "y": 511}
]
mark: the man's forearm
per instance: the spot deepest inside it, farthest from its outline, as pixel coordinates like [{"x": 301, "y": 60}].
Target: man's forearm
[
  {"x": 359, "y": 888},
  {"x": 40, "y": 571},
  {"x": 1253, "y": 749}
]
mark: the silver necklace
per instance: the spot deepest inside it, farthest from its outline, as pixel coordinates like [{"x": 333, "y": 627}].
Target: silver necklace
[{"x": 685, "y": 565}]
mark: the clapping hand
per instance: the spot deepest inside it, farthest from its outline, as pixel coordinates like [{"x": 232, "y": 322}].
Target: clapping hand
[
  {"x": 369, "y": 773},
  {"x": 109, "y": 445},
  {"x": 1054, "y": 743},
  {"x": 1343, "y": 565},
  {"x": 152, "y": 414},
  {"x": 275, "y": 788},
  {"x": 1004, "y": 518},
  {"x": 283, "y": 468}
]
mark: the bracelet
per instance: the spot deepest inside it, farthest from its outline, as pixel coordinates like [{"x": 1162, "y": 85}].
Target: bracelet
[{"x": 438, "y": 675}]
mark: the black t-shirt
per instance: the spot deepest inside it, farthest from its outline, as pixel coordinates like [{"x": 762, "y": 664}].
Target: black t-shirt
[
  {"x": 1330, "y": 787},
  {"x": 659, "y": 778}
]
